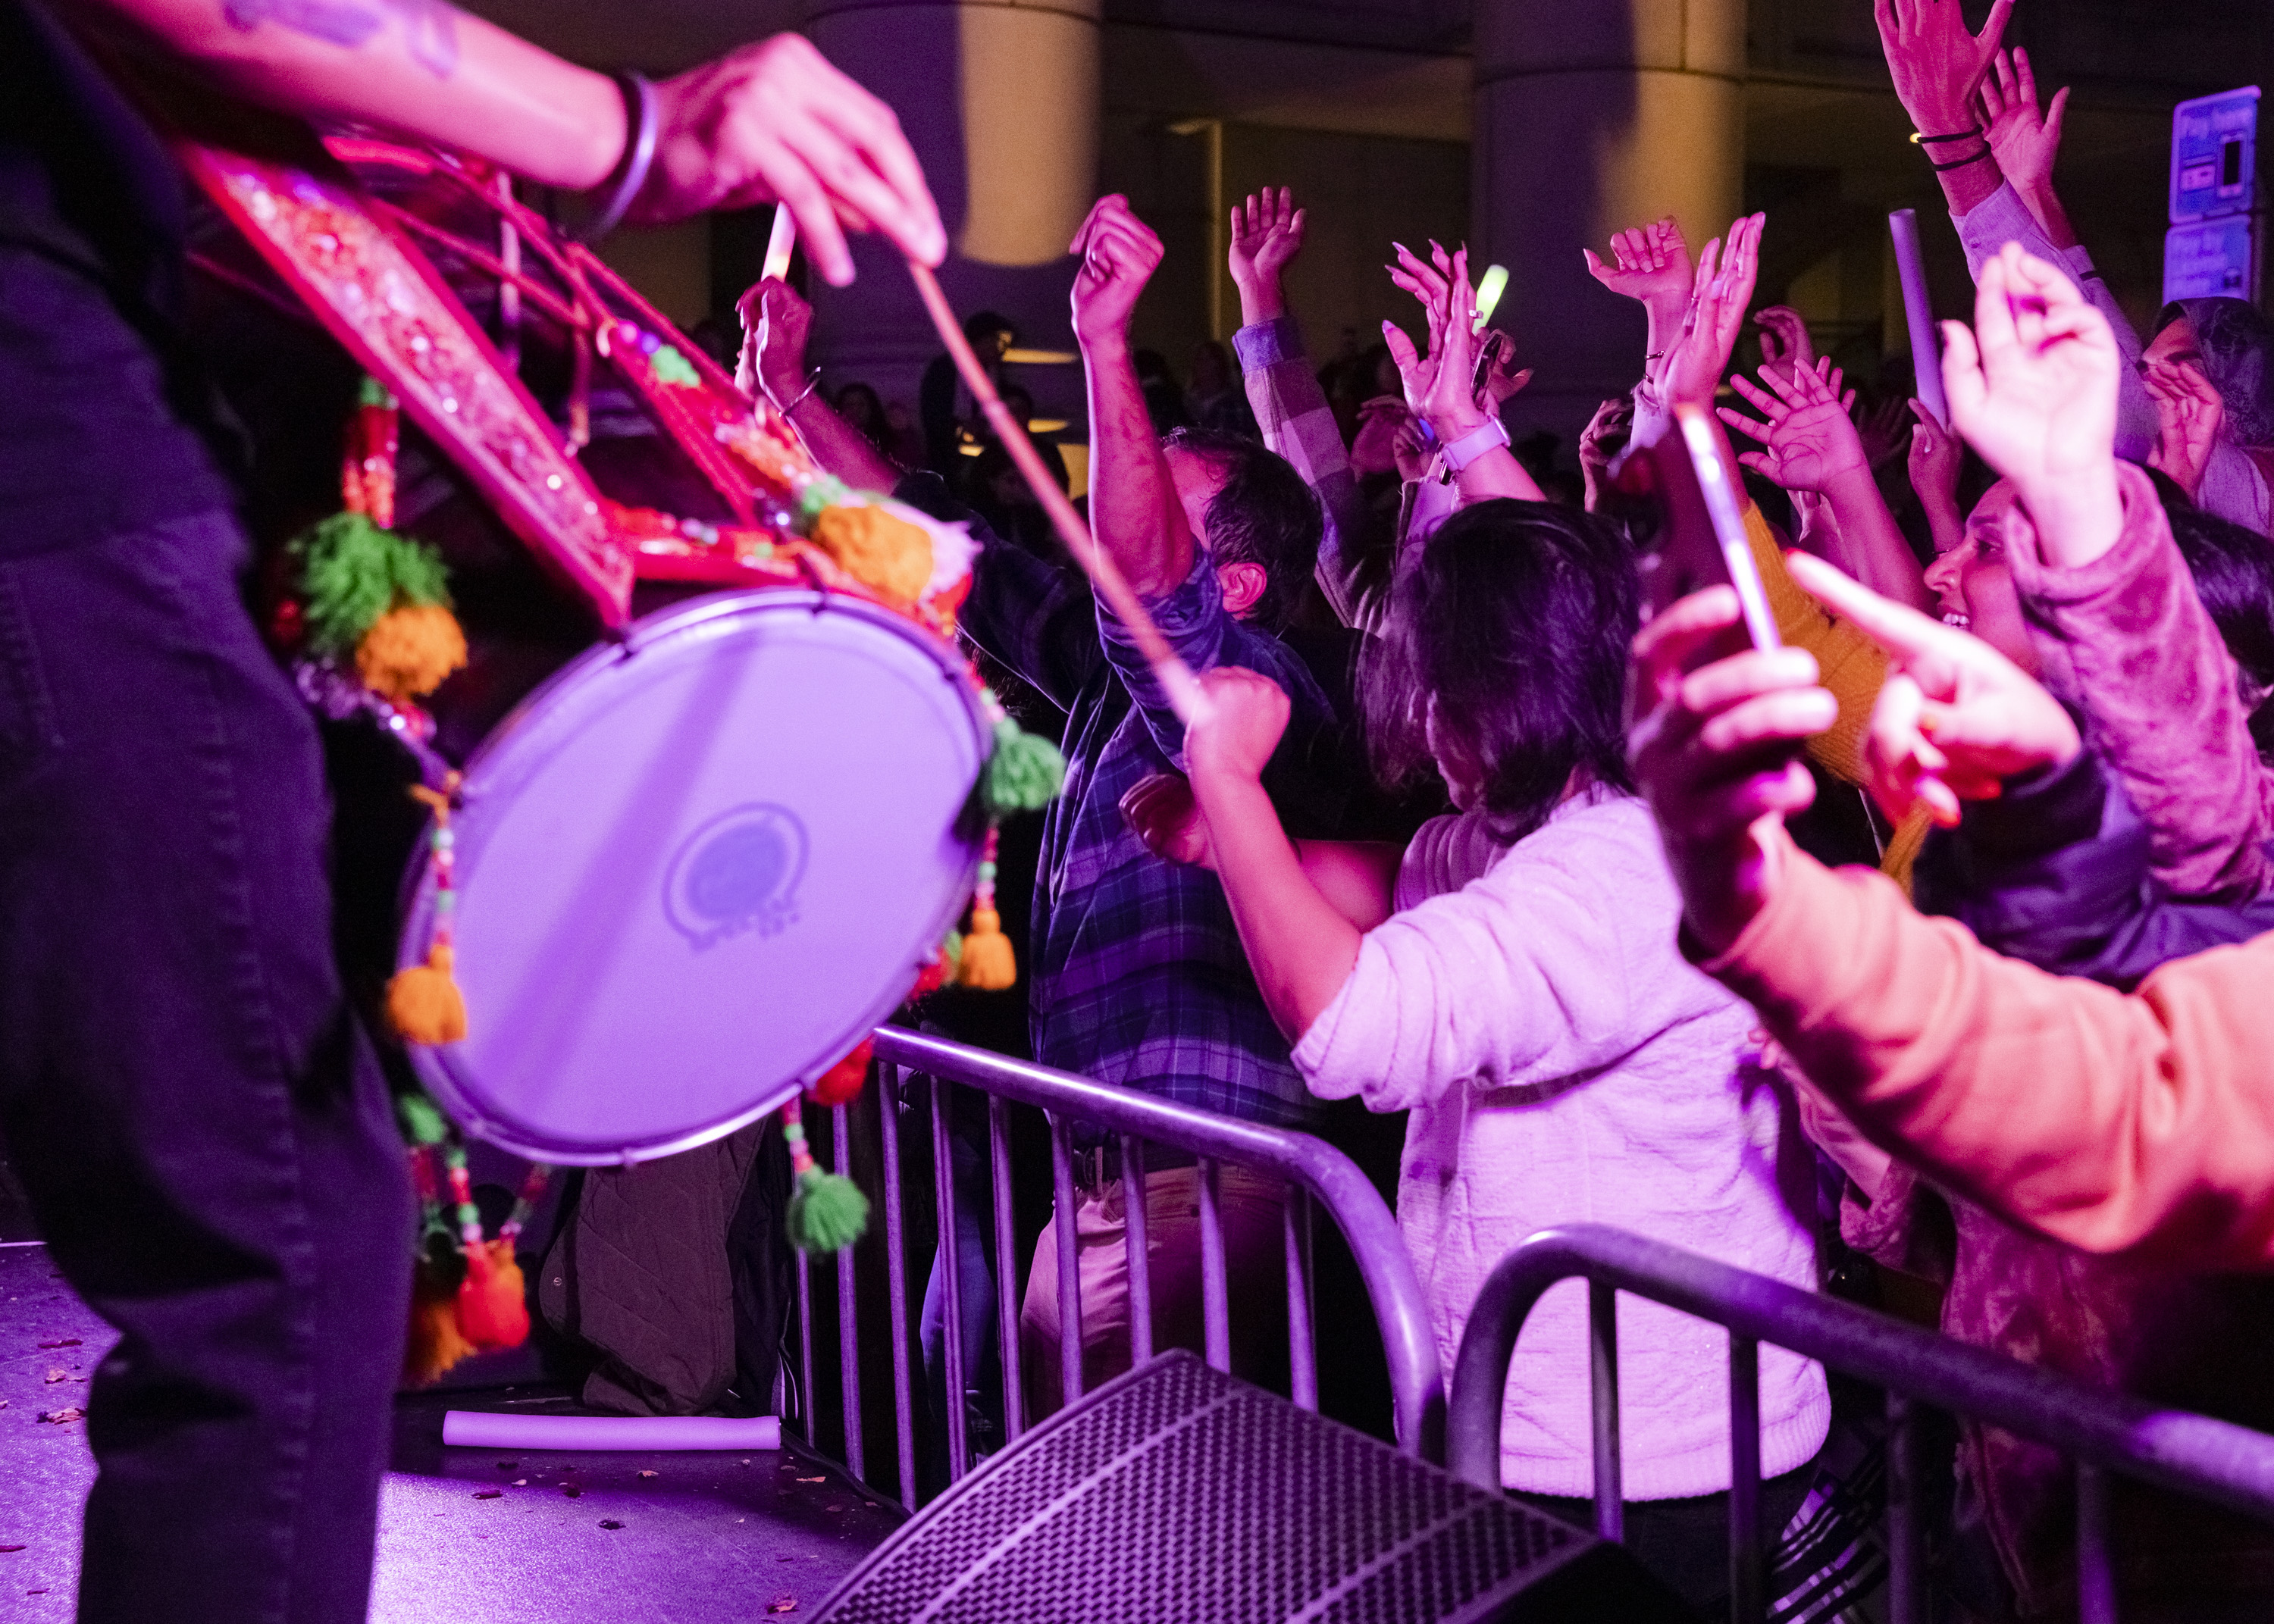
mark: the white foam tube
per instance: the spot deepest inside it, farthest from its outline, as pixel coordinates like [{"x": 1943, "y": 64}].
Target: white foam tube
[
  {"x": 476, "y": 1429},
  {"x": 1927, "y": 351},
  {"x": 778, "y": 244}
]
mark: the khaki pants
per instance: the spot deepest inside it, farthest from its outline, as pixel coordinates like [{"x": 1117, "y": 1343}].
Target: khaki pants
[{"x": 1251, "y": 1207}]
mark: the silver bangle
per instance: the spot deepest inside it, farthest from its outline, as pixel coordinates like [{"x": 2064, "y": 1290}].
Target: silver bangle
[
  {"x": 638, "y": 157},
  {"x": 812, "y": 384}
]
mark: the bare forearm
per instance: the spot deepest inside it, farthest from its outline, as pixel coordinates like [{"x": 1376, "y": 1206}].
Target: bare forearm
[
  {"x": 419, "y": 67},
  {"x": 1496, "y": 473},
  {"x": 840, "y": 448},
  {"x": 2045, "y": 206},
  {"x": 1260, "y": 299},
  {"x": 1134, "y": 510},
  {"x": 1870, "y": 545},
  {"x": 1300, "y": 946}
]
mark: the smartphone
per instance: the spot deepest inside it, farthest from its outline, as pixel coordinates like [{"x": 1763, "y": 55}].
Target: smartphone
[
  {"x": 1679, "y": 478},
  {"x": 1496, "y": 343}
]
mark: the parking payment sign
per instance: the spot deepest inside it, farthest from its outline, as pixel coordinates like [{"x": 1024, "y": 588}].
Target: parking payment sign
[{"x": 2215, "y": 156}]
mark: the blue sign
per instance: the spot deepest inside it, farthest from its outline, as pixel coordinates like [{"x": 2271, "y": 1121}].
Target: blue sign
[
  {"x": 2215, "y": 155},
  {"x": 2215, "y": 258}
]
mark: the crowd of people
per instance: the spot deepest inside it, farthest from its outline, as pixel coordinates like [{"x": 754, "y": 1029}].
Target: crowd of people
[
  {"x": 1672, "y": 936},
  {"x": 1929, "y": 936}
]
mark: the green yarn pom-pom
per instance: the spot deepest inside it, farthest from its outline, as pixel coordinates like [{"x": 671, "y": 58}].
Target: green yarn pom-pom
[
  {"x": 352, "y": 572},
  {"x": 827, "y": 1213},
  {"x": 672, "y": 367},
  {"x": 1024, "y": 774},
  {"x": 421, "y": 1119}
]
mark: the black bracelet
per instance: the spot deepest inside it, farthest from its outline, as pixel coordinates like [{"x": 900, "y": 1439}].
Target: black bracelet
[
  {"x": 630, "y": 174},
  {"x": 1919, "y": 139},
  {"x": 1959, "y": 163}
]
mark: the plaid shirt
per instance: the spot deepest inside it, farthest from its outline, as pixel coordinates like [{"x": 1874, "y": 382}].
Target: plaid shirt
[
  {"x": 1291, "y": 410},
  {"x": 1137, "y": 974}
]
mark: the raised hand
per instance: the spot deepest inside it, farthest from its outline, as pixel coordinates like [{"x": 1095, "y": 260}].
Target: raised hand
[
  {"x": 2024, "y": 139},
  {"x": 1936, "y": 459},
  {"x": 1693, "y": 367},
  {"x": 1884, "y": 427},
  {"x": 1810, "y": 440},
  {"x": 1233, "y": 743},
  {"x": 1954, "y": 718},
  {"x": 1600, "y": 441},
  {"x": 2033, "y": 389},
  {"x": 1267, "y": 232},
  {"x": 2188, "y": 413},
  {"x": 1649, "y": 263},
  {"x": 1437, "y": 383},
  {"x": 1162, "y": 811},
  {"x": 1120, "y": 254},
  {"x": 1504, "y": 378},
  {"x": 774, "y": 120},
  {"x": 1936, "y": 64},
  {"x": 1786, "y": 346}
]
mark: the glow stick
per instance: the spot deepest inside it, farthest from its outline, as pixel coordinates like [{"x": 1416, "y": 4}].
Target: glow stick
[
  {"x": 1186, "y": 696},
  {"x": 1926, "y": 352},
  {"x": 780, "y": 243},
  {"x": 474, "y": 1429},
  {"x": 1489, "y": 292}
]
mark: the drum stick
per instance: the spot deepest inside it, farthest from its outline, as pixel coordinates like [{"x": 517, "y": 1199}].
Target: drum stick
[
  {"x": 778, "y": 244},
  {"x": 1926, "y": 353},
  {"x": 1186, "y": 696},
  {"x": 475, "y": 1429}
]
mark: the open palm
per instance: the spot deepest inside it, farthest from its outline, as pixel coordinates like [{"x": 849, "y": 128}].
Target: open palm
[
  {"x": 1809, "y": 439},
  {"x": 1650, "y": 263},
  {"x": 2033, "y": 387},
  {"x": 1267, "y": 232}
]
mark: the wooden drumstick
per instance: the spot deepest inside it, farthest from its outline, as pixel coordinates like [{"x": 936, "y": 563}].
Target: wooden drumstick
[{"x": 1186, "y": 696}]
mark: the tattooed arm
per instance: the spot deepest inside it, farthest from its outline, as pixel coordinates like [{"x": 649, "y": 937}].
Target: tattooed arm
[{"x": 771, "y": 121}]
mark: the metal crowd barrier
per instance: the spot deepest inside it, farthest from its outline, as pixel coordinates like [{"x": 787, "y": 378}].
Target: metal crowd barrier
[
  {"x": 2103, "y": 1432},
  {"x": 1314, "y": 1171}
]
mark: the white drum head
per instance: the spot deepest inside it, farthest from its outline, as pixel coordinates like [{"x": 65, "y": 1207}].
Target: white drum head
[{"x": 695, "y": 869}]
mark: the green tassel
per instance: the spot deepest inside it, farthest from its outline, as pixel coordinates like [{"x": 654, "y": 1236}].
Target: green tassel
[
  {"x": 1024, "y": 774},
  {"x": 421, "y": 1119},
  {"x": 352, "y": 572},
  {"x": 827, "y": 1212},
  {"x": 819, "y": 496},
  {"x": 371, "y": 392},
  {"x": 670, "y": 366}
]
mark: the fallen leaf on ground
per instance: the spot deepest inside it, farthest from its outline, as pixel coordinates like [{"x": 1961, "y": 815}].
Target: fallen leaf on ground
[
  {"x": 68, "y": 1341},
  {"x": 72, "y": 1413},
  {"x": 10, "y": 1550},
  {"x": 746, "y": 1463},
  {"x": 813, "y": 1479},
  {"x": 649, "y": 1474},
  {"x": 521, "y": 1483},
  {"x": 610, "y": 1523},
  {"x": 489, "y": 1494},
  {"x": 570, "y": 1490},
  {"x": 507, "y": 1465},
  {"x": 782, "y": 1604},
  {"x": 55, "y": 1376}
]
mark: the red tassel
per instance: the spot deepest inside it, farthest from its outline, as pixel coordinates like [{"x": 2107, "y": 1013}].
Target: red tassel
[
  {"x": 493, "y": 1300},
  {"x": 841, "y": 1085}
]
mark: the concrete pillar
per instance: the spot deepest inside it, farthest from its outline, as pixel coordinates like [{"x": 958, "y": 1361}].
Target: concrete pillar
[
  {"x": 1592, "y": 116},
  {"x": 999, "y": 98}
]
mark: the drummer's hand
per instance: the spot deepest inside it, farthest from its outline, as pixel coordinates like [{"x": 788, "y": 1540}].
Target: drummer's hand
[
  {"x": 1237, "y": 738},
  {"x": 1168, "y": 820},
  {"x": 775, "y": 323},
  {"x": 774, "y": 121}
]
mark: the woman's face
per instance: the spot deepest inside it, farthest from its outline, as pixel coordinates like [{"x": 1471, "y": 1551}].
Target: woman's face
[
  {"x": 1976, "y": 586},
  {"x": 1464, "y": 778}
]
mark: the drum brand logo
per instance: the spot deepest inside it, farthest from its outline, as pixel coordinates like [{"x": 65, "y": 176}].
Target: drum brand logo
[{"x": 738, "y": 872}]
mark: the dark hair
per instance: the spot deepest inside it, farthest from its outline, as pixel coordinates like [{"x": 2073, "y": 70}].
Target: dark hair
[
  {"x": 1517, "y": 622},
  {"x": 2233, "y": 571},
  {"x": 2237, "y": 344},
  {"x": 1264, "y": 514},
  {"x": 983, "y": 325},
  {"x": 871, "y": 421}
]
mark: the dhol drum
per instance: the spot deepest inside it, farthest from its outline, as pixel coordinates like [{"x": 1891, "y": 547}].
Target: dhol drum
[{"x": 693, "y": 869}]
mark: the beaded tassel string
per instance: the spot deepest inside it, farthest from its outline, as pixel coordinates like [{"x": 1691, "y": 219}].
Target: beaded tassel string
[
  {"x": 533, "y": 1192},
  {"x": 469, "y": 1216},
  {"x": 827, "y": 1213},
  {"x": 424, "y": 1004}
]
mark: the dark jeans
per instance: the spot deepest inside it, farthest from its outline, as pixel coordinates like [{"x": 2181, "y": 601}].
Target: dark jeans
[
  {"x": 1684, "y": 1544},
  {"x": 197, "y": 1116}
]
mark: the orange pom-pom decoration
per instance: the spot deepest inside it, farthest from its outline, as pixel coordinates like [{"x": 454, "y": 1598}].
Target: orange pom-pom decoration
[
  {"x": 409, "y": 650},
  {"x": 424, "y": 1004}
]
